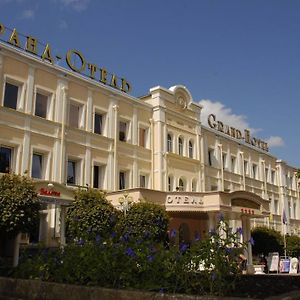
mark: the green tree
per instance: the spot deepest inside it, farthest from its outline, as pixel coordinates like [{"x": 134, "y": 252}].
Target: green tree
[
  {"x": 266, "y": 240},
  {"x": 90, "y": 216},
  {"x": 293, "y": 245},
  {"x": 19, "y": 206},
  {"x": 145, "y": 220}
]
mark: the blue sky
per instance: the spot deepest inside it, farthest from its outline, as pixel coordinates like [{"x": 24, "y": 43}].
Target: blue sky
[{"x": 239, "y": 58}]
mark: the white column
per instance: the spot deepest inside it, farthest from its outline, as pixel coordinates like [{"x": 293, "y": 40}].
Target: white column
[
  {"x": 135, "y": 126},
  {"x": 89, "y": 112},
  {"x": 115, "y": 162},
  {"x": 1, "y": 76},
  {"x": 88, "y": 163},
  {"x": 26, "y": 149},
  {"x": 30, "y": 91},
  {"x": 246, "y": 237}
]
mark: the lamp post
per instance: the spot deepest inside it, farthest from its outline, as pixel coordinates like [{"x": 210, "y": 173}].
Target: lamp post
[{"x": 125, "y": 202}]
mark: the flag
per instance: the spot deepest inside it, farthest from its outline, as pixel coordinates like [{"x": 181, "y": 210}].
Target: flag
[{"x": 284, "y": 219}]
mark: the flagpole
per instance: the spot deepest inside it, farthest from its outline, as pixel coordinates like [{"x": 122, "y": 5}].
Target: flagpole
[{"x": 284, "y": 239}]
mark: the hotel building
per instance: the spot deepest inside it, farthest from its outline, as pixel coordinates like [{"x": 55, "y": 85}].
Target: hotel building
[{"x": 67, "y": 130}]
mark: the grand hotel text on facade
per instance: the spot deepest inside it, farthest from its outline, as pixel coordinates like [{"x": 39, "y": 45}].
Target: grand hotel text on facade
[{"x": 68, "y": 130}]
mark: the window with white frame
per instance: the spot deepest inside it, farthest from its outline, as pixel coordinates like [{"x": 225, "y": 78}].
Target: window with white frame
[
  {"x": 180, "y": 146},
  {"x": 233, "y": 164},
  {"x": 170, "y": 183},
  {"x": 210, "y": 156},
  {"x": 246, "y": 167},
  {"x": 224, "y": 160},
  {"x": 5, "y": 159},
  {"x": 191, "y": 149},
  {"x": 143, "y": 181},
  {"x": 123, "y": 130},
  {"x": 98, "y": 176},
  {"x": 11, "y": 95},
  {"x": 276, "y": 206},
  {"x": 143, "y": 132},
  {"x": 194, "y": 185},
  {"x": 169, "y": 143},
  {"x": 37, "y": 166},
  {"x": 75, "y": 115},
  {"x": 123, "y": 180},
  {"x": 41, "y": 105},
  {"x": 72, "y": 170},
  {"x": 295, "y": 210},
  {"x": 267, "y": 174},
  {"x": 254, "y": 171},
  {"x": 273, "y": 176},
  {"x": 98, "y": 123}
]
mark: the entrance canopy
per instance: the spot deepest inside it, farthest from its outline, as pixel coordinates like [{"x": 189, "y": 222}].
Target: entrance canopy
[
  {"x": 54, "y": 193},
  {"x": 234, "y": 204}
]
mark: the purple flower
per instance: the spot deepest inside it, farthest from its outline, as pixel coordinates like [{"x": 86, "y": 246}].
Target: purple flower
[
  {"x": 239, "y": 230},
  {"x": 183, "y": 247},
  {"x": 98, "y": 238},
  {"x": 162, "y": 290},
  {"x": 130, "y": 252},
  {"x": 220, "y": 216},
  {"x": 251, "y": 241},
  {"x": 147, "y": 234},
  {"x": 173, "y": 233},
  {"x": 81, "y": 242},
  {"x": 113, "y": 234},
  {"x": 125, "y": 237},
  {"x": 213, "y": 276},
  {"x": 150, "y": 258}
]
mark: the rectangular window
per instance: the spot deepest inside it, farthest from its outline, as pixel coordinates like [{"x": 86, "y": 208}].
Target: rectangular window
[
  {"x": 233, "y": 164},
  {"x": 41, "y": 105},
  {"x": 267, "y": 174},
  {"x": 74, "y": 113},
  {"x": 37, "y": 166},
  {"x": 11, "y": 95},
  {"x": 246, "y": 167},
  {"x": 98, "y": 179},
  {"x": 142, "y": 137},
  {"x": 224, "y": 158},
  {"x": 71, "y": 172},
  {"x": 210, "y": 157},
  {"x": 122, "y": 131},
  {"x": 142, "y": 181},
  {"x": 122, "y": 180},
  {"x": 273, "y": 176},
  {"x": 254, "y": 170},
  {"x": 276, "y": 202},
  {"x": 295, "y": 210},
  {"x": 5, "y": 159},
  {"x": 98, "y": 127}
]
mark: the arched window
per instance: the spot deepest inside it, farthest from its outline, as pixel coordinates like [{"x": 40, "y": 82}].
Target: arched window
[
  {"x": 180, "y": 146},
  {"x": 181, "y": 185},
  {"x": 169, "y": 143},
  {"x": 191, "y": 149}
]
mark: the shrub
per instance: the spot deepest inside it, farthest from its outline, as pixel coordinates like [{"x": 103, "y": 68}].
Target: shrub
[
  {"x": 293, "y": 245},
  {"x": 90, "y": 215},
  {"x": 145, "y": 221},
  {"x": 267, "y": 240},
  {"x": 19, "y": 206}
]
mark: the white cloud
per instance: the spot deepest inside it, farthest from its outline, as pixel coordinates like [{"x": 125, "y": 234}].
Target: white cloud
[
  {"x": 28, "y": 14},
  {"x": 240, "y": 122},
  {"x": 275, "y": 141},
  {"x": 225, "y": 115},
  {"x": 78, "y": 5}
]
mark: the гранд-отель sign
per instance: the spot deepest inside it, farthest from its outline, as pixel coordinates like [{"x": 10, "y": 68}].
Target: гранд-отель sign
[
  {"x": 236, "y": 133},
  {"x": 32, "y": 46}
]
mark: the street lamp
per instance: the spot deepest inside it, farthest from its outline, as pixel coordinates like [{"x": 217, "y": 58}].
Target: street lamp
[{"x": 125, "y": 202}]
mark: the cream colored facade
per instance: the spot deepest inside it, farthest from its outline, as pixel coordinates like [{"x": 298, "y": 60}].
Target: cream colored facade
[{"x": 69, "y": 130}]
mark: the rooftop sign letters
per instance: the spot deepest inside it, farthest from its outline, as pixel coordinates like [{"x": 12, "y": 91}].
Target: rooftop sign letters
[
  {"x": 73, "y": 58},
  {"x": 236, "y": 133}
]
